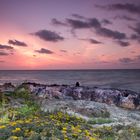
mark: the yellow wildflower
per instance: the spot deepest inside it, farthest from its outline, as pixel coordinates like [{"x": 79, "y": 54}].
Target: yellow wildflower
[
  {"x": 27, "y": 121},
  {"x": 75, "y": 135},
  {"x": 20, "y": 121},
  {"x": 14, "y": 137},
  {"x": 16, "y": 130},
  {"x": 2, "y": 126},
  {"x": 64, "y": 131},
  {"x": 87, "y": 133},
  {"x": 91, "y": 138},
  {"x": 13, "y": 123},
  {"x": 79, "y": 130},
  {"x": 64, "y": 128}
]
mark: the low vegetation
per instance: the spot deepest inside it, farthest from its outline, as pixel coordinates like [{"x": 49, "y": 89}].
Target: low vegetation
[
  {"x": 28, "y": 122},
  {"x": 99, "y": 121}
]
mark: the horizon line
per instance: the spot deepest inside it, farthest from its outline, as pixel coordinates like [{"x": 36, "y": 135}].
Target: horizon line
[{"x": 63, "y": 69}]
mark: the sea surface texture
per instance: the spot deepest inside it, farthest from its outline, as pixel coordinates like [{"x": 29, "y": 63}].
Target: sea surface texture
[{"x": 122, "y": 79}]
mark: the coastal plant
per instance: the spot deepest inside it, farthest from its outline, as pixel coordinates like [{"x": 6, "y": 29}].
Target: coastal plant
[
  {"x": 22, "y": 92},
  {"x": 99, "y": 121},
  {"x": 60, "y": 125},
  {"x": 3, "y": 99},
  {"x": 28, "y": 122},
  {"x": 30, "y": 108},
  {"x": 3, "y": 108},
  {"x": 56, "y": 125},
  {"x": 10, "y": 113},
  {"x": 25, "y": 110}
]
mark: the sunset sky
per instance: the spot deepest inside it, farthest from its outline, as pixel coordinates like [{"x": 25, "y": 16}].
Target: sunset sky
[{"x": 69, "y": 34}]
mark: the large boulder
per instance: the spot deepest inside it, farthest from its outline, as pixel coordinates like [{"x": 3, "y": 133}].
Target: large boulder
[
  {"x": 127, "y": 102},
  {"x": 122, "y": 98}
]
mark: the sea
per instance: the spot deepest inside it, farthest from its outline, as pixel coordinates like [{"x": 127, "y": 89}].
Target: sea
[{"x": 120, "y": 79}]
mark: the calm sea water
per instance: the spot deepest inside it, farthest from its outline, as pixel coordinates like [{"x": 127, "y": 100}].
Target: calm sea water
[{"x": 123, "y": 79}]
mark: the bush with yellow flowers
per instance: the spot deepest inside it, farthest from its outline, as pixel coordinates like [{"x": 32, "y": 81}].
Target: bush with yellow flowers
[{"x": 28, "y": 122}]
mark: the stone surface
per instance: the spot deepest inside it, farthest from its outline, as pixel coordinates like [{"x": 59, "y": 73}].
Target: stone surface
[
  {"x": 7, "y": 87},
  {"x": 121, "y": 106},
  {"x": 91, "y": 110},
  {"x": 122, "y": 98}
]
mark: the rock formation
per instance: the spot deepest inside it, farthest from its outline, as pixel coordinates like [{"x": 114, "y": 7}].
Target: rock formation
[{"x": 122, "y": 98}]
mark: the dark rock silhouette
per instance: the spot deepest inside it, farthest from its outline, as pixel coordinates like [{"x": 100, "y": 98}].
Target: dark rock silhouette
[{"x": 77, "y": 84}]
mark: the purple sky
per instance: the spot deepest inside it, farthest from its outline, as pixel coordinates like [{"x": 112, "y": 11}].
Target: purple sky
[{"x": 69, "y": 34}]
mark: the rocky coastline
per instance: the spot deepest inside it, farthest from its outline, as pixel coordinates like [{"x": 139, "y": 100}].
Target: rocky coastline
[
  {"x": 102, "y": 107},
  {"x": 121, "y": 98}
]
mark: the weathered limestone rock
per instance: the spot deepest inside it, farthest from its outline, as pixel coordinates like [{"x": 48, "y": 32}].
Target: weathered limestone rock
[
  {"x": 122, "y": 98},
  {"x": 127, "y": 102}
]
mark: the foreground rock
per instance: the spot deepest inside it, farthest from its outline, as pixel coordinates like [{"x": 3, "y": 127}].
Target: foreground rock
[
  {"x": 121, "y": 98},
  {"x": 120, "y": 106},
  {"x": 91, "y": 110},
  {"x": 7, "y": 88}
]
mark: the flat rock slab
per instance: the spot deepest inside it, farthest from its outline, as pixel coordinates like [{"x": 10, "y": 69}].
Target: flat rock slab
[{"x": 116, "y": 114}]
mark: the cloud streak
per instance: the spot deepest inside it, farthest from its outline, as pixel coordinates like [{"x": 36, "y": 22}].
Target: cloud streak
[
  {"x": 123, "y": 43},
  {"x": 128, "y": 18},
  {"x": 93, "y": 41},
  {"x": 128, "y": 7},
  {"x": 47, "y": 35},
  {"x": 110, "y": 33},
  {"x": 6, "y": 47},
  {"x": 54, "y": 21},
  {"x": 106, "y": 22},
  {"x": 127, "y": 60},
  {"x": 78, "y": 16},
  {"x": 136, "y": 29},
  {"x": 94, "y": 23},
  {"x": 17, "y": 43},
  {"x": 64, "y": 51},
  {"x": 135, "y": 37},
  {"x": 132, "y": 8},
  {"x": 44, "y": 51},
  {"x": 3, "y": 53},
  {"x": 77, "y": 24}
]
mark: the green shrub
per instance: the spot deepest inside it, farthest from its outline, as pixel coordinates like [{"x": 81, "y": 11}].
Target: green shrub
[
  {"x": 22, "y": 92},
  {"x": 3, "y": 99},
  {"x": 99, "y": 121},
  {"x": 30, "y": 108}
]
